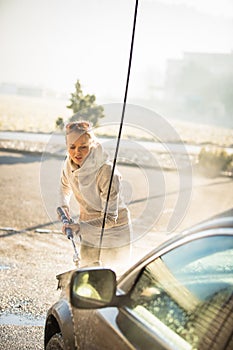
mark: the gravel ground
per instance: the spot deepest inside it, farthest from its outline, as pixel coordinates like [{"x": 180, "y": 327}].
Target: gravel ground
[
  {"x": 10, "y": 336},
  {"x": 30, "y": 261}
]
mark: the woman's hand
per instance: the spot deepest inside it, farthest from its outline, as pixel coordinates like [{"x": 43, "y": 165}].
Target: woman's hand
[
  {"x": 68, "y": 222},
  {"x": 75, "y": 227}
]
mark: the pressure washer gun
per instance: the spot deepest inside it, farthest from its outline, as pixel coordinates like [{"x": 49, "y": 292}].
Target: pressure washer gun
[{"x": 69, "y": 234}]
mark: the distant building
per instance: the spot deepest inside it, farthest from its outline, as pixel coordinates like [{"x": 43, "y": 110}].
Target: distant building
[
  {"x": 25, "y": 90},
  {"x": 30, "y": 91},
  {"x": 199, "y": 85},
  {"x": 7, "y": 88},
  {"x": 216, "y": 64}
]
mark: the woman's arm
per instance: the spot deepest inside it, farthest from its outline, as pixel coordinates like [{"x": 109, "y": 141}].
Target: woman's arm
[
  {"x": 65, "y": 191},
  {"x": 103, "y": 181}
]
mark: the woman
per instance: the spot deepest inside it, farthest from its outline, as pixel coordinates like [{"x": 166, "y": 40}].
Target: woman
[{"x": 86, "y": 174}]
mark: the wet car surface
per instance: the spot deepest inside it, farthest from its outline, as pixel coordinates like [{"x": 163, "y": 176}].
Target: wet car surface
[{"x": 180, "y": 296}]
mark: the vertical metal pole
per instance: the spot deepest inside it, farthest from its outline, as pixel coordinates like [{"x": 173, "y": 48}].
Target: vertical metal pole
[{"x": 120, "y": 129}]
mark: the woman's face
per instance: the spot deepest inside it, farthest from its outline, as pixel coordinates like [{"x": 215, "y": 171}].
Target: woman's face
[{"x": 79, "y": 149}]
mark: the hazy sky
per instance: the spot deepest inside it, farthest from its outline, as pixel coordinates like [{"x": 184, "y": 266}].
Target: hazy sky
[{"x": 51, "y": 43}]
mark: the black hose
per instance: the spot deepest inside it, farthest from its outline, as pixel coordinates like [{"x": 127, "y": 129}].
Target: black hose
[{"x": 120, "y": 129}]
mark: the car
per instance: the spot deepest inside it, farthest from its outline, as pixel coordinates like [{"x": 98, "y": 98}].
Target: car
[{"x": 179, "y": 296}]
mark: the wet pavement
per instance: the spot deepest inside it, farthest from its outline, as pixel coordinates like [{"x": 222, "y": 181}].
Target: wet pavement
[
  {"x": 30, "y": 260},
  {"x": 21, "y": 320}
]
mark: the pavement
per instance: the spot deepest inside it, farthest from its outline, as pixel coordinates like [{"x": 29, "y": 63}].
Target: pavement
[
  {"x": 143, "y": 153},
  {"x": 33, "y": 250}
]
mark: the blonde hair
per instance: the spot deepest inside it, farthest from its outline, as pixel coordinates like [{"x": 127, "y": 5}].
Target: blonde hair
[{"x": 80, "y": 128}]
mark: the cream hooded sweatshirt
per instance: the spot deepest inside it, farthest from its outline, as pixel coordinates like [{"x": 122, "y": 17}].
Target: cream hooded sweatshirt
[{"x": 89, "y": 184}]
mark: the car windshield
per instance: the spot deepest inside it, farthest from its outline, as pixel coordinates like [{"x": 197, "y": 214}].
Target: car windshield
[{"x": 188, "y": 292}]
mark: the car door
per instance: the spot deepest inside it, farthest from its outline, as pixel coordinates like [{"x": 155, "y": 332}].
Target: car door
[
  {"x": 99, "y": 330},
  {"x": 183, "y": 299}
]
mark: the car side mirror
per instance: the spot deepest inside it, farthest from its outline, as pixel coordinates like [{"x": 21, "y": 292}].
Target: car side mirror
[{"x": 92, "y": 288}]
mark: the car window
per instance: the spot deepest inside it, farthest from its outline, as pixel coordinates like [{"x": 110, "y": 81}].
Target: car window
[{"x": 187, "y": 294}]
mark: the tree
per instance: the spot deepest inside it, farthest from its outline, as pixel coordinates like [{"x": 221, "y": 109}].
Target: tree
[{"x": 83, "y": 107}]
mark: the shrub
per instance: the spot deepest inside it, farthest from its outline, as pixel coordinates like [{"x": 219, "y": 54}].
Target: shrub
[
  {"x": 213, "y": 162},
  {"x": 60, "y": 123}
]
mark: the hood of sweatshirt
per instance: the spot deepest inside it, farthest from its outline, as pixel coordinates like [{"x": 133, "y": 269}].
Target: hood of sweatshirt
[
  {"x": 95, "y": 159},
  {"x": 85, "y": 177}
]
